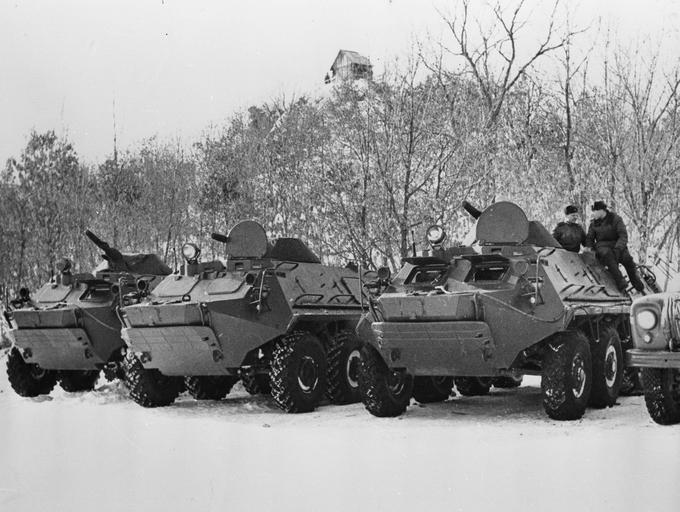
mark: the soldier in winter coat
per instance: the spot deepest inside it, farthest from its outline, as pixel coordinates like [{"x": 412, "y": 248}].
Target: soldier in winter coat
[
  {"x": 608, "y": 236},
  {"x": 570, "y": 234}
]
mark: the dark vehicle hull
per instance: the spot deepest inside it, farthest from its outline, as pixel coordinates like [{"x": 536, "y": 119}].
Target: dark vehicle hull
[
  {"x": 271, "y": 315},
  {"x": 518, "y": 304}
]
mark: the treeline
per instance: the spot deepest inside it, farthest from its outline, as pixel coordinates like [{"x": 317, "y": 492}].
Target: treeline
[{"x": 355, "y": 171}]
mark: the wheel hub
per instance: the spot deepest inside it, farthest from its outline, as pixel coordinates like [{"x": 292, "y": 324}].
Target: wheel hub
[
  {"x": 308, "y": 374},
  {"x": 578, "y": 374},
  {"x": 37, "y": 372},
  {"x": 352, "y": 369},
  {"x": 611, "y": 366},
  {"x": 396, "y": 382}
]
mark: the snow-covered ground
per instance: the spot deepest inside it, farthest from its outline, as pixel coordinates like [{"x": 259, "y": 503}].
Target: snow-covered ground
[{"x": 99, "y": 451}]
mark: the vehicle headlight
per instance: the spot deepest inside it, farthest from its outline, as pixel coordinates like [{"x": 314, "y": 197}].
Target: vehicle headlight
[
  {"x": 646, "y": 319},
  {"x": 190, "y": 251},
  {"x": 435, "y": 234}
]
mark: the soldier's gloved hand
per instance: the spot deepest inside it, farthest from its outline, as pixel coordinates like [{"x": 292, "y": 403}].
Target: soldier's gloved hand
[{"x": 617, "y": 252}]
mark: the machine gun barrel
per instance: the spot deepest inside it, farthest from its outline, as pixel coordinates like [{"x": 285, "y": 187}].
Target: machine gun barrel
[
  {"x": 474, "y": 212},
  {"x": 220, "y": 237}
]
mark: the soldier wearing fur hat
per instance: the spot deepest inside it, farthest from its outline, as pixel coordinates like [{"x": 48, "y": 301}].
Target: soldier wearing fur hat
[
  {"x": 608, "y": 236},
  {"x": 570, "y": 233}
]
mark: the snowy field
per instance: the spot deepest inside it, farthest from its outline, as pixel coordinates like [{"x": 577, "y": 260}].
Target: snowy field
[{"x": 99, "y": 451}]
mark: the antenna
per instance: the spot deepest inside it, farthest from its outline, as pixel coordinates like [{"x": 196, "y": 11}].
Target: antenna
[{"x": 115, "y": 140}]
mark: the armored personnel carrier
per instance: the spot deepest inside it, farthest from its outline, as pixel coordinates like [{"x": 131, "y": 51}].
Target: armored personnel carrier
[
  {"x": 272, "y": 314},
  {"x": 69, "y": 329},
  {"x": 655, "y": 321},
  {"x": 517, "y": 304}
]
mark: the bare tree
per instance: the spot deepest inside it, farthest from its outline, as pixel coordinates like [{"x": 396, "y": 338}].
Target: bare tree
[
  {"x": 648, "y": 167},
  {"x": 491, "y": 52}
]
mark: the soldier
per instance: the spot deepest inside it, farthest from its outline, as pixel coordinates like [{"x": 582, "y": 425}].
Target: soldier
[
  {"x": 608, "y": 236},
  {"x": 570, "y": 234}
]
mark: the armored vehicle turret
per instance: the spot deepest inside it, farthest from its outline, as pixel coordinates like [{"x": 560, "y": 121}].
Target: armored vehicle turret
[
  {"x": 515, "y": 304},
  {"x": 271, "y": 314},
  {"x": 68, "y": 330}
]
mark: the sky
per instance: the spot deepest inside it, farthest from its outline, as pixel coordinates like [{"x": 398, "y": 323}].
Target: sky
[{"x": 175, "y": 68}]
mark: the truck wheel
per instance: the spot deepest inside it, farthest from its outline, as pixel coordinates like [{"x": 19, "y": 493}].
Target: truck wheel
[
  {"x": 150, "y": 388},
  {"x": 507, "y": 381},
  {"x": 567, "y": 376},
  {"x": 78, "y": 380},
  {"x": 384, "y": 392},
  {"x": 344, "y": 358},
  {"x": 28, "y": 379},
  {"x": 607, "y": 361},
  {"x": 256, "y": 384},
  {"x": 298, "y": 373},
  {"x": 432, "y": 389},
  {"x": 473, "y": 386},
  {"x": 631, "y": 383},
  {"x": 662, "y": 394},
  {"x": 209, "y": 387}
]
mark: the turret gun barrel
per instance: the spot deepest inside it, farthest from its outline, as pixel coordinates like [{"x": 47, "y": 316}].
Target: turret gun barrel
[{"x": 111, "y": 253}]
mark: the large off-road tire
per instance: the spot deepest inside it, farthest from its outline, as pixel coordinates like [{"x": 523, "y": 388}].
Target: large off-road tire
[
  {"x": 150, "y": 388},
  {"x": 432, "y": 389},
  {"x": 28, "y": 379},
  {"x": 209, "y": 387},
  {"x": 566, "y": 378},
  {"x": 344, "y": 358},
  {"x": 299, "y": 372},
  {"x": 473, "y": 386},
  {"x": 662, "y": 394},
  {"x": 78, "y": 380},
  {"x": 607, "y": 360},
  {"x": 384, "y": 392},
  {"x": 631, "y": 382},
  {"x": 507, "y": 381},
  {"x": 256, "y": 384}
]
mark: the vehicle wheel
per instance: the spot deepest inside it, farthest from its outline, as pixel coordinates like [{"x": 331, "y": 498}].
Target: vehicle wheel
[
  {"x": 256, "y": 384},
  {"x": 344, "y": 357},
  {"x": 567, "y": 376},
  {"x": 473, "y": 386},
  {"x": 28, "y": 379},
  {"x": 607, "y": 360},
  {"x": 209, "y": 387},
  {"x": 507, "y": 381},
  {"x": 150, "y": 388},
  {"x": 662, "y": 394},
  {"x": 631, "y": 383},
  {"x": 384, "y": 392},
  {"x": 432, "y": 389},
  {"x": 78, "y": 380},
  {"x": 298, "y": 373}
]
